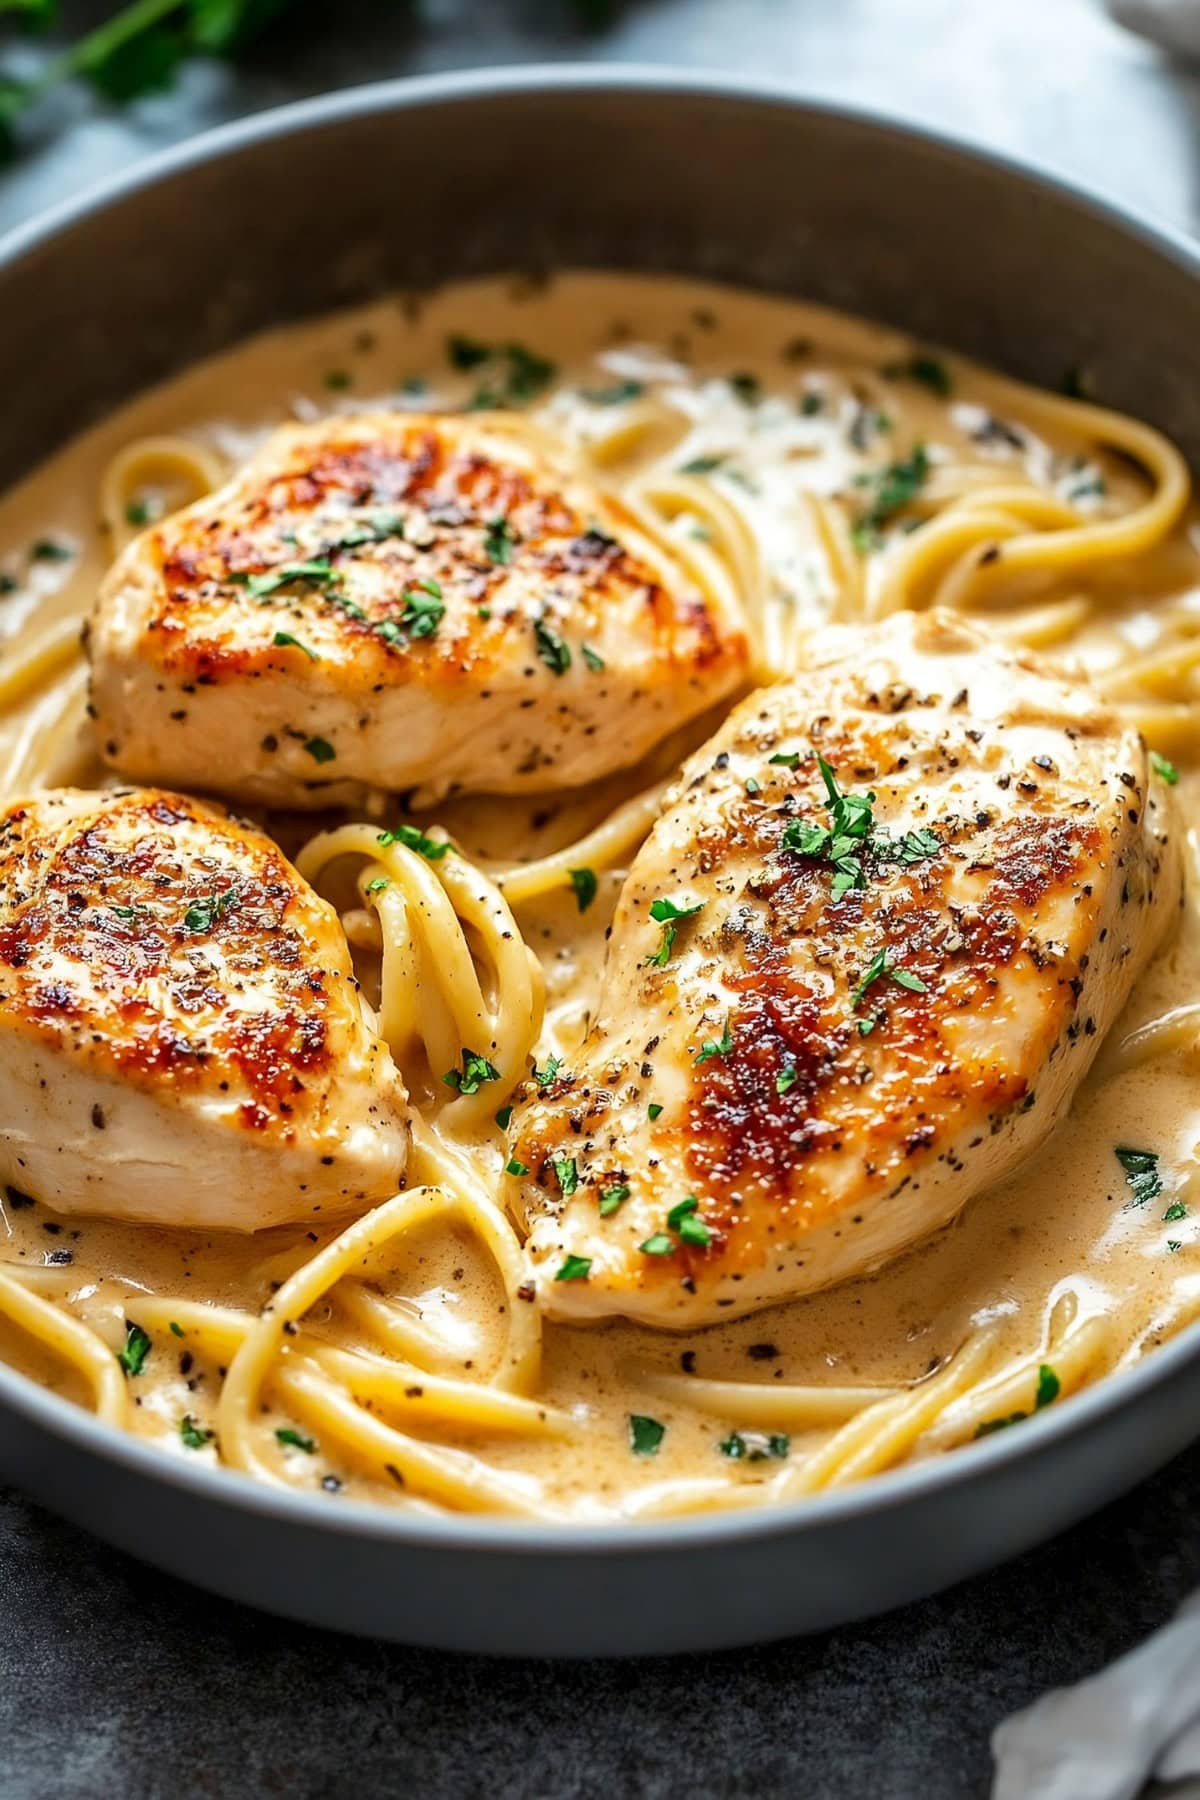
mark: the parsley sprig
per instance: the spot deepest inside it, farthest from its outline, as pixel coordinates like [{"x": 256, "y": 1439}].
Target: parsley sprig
[{"x": 851, "y": 834}]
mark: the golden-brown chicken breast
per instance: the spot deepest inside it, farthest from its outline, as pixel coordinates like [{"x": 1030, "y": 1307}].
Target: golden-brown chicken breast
[
  {"x": 856, "y": 972},
  {"x": 399, "y": 602},
  {"x": 181, "y": 1035}
]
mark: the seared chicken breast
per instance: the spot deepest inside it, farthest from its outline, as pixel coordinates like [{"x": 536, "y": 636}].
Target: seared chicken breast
[
  {"x": 181, "y": 1035},
  {"x": 399, "y": 602},
  {"x": 856, "y": 973}
]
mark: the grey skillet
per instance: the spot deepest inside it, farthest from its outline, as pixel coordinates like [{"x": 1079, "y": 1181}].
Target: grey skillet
[{"x": 405, "y": 184}]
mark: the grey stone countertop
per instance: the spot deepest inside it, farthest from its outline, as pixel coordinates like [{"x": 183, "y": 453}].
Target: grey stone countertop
[{"x": 115, "y": 1680}]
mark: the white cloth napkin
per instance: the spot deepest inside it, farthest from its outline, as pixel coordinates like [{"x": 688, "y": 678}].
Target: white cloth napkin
[
  {"x": 1175, "y": 24},
  {"x": 1106, "y": 1737}
]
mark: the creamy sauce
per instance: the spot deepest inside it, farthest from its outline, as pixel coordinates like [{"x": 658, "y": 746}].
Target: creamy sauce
[{"x": 1064, "y": 1221}]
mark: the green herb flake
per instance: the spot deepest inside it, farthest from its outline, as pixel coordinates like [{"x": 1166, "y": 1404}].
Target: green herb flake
[
  {"x": 143, "y": 510},
  {"x": 566, "y": 1173},
  {"x": 658, "y": 1244},
  {"x": 748, "y": 388},
  {"x": 432, "y": 849},
  {"x": 177, "y": 1329},
  {"x": 894, "y": 488},
  {"x": 787, "y": 758},
  {"x": 377, "y": 884},
  {"x": 514, "y": 1167},
  {"x": 321, "y": 750},
  {"x": 320, "y": 572},
  {"x": 194, "y": 1436},
  {"x": 1048, "y": 1387},
  {"x": 50, "y": 550},
  {"x": 293, "y": 1440},
  {"x": 504, "y": 1117},
  {"x": 616, "y": 395},
  {"x": 611, "y": 1198},
  {"x": 338, "y": 380},
  {"x": 584, "y": 883},
  {"x": 1141, "y": 1174},
  {"x": 283, "y": 640},
  {"x": 499, "y": 541},
  {"x": 203, "y": 914},
  {"x": 553, "y": 650},
  {"x": 752, "y": 786},
  {"x": 754, "y": 1446},
  {"x": 645, "y": 1434},
  {"x": 545, "y": 1076},
  {"x": 475, "y": 1071},
  {"x": 701, "y": 465},
  {"x": 466, "y": 353},
  {"x": 1177, "y": 1210},
  {"x": 424, "y": 610},
  {"x": 592, "y": 658},
  {"x": 716, "y": 1046},
  {"x": 787, "y": 1078},
  {"x": 931, "y": 372},
  {"x": 668, "y": 913},
  {"x": 882, "y": 967},
  {"x": 136, "y": 1348},
  {"x": 1166, "y": 771},
  {"x": 574, "y": 1268}
]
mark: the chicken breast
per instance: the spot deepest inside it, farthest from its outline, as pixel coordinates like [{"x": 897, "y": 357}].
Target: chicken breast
[
  {"x": 399, "y": 602},
  {"x": 856, "y": 973},
  {"x": 181, "y": 1035}
]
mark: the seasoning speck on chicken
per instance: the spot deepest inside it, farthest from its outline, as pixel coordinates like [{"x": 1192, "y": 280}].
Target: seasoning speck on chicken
[
  {"x": 841, "y": 1003},
  {"x": 182, "y": 1040},
  {"x": 400, "y": 601}
]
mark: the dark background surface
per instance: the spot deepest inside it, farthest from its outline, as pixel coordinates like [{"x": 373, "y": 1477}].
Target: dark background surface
[{"x": 115, "y": 1680}]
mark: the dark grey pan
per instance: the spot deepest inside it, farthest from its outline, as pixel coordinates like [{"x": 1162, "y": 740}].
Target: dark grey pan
[{"x": 415, "y": 183}]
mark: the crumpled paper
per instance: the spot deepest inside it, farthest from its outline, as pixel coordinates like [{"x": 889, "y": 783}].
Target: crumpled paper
[
  {"x": 1175, "y": 24},
  {"x": 1106, "y": 1737}
]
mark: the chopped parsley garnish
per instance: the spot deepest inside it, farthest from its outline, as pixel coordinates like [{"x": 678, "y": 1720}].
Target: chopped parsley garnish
[
  {"x": 746, "y": 387},
  {"x": 203, "y": 914},
  {"x": 136, "y": 1348},
  {"x": 754, "y": 1446},
  {"x": 1177, "y": 1210},
  {"x": 667, "y": 913},
  {"x": 653, "y": 1111},
  {"x": 574, "y": 1268},
  {"x": 552, "y": 649},
  {"x": 319, "y": 571},
  {"x": 616, "y": 395},
  {"x": 1141, "y": 1174},
  {"x": 514, "y": 1167},
  {"x": 841, "y": 844},
  {"x": 377, "y": 884},
  {"x": 567, "y": 1175},
  {"x": 283, "y": 640},
  {"x": 788, "y": 758},
  {"x": 194, "y": 1436},
  {"x": 658, "y": 1244},
  {"x": 913, "y": 847},
  {"x": 514, "y": 373},
  {"x": 432, "y": 849},
  {"x": 716, "y": 1046},
  {"x": 177, "y": 1329},
  {"x": 584, "y": 883},
  {"x": 338, "y": 379},
  {"x": 475, "y": 1071},
  {"x": 881, "y": 966},
  {"x": 320, "y": 749},
  {"x": 1166, "y": 771},
  {"x": 504, "y": 1117},
  {"x": 685, "y": 1219},
  {"x": 701, "y": 465},
  {"x": 930, "y": 371},
  {"x": 424, "y": 610},
  {"x": 895, "y": 487},
  {"x": 499, "y": 541},
  {"x": 645, "y": 1434},
  {"x": 50, "y": 550},
  {"x": 611, "y": 1198},
  {"x": 545, "y": 1076},
  {"x": 787, "y": 1078},
  {"x": 143, "y": 510},
  {"x": 593, "y": 658},
  {"x": 1048, "y": 1389},
  {"x": 292, "y": 1440}
]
